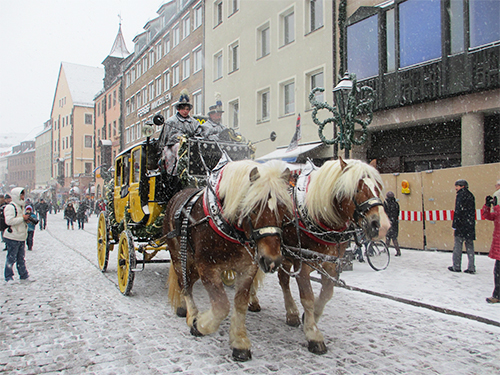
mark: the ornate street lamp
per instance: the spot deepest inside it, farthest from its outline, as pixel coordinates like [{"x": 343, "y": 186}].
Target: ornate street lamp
[{"x": 351, "y": 106}]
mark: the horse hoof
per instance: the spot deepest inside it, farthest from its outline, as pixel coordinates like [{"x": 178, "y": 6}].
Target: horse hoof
[
  {"x": 316, "y": 347},
  {"x": 293, "y": 321},
  {"x": 254, "y": 307},
  {"x": 194, "y": 330},
  {"x": 181, "y": 312},
  {"x": 242, "y": 355}
]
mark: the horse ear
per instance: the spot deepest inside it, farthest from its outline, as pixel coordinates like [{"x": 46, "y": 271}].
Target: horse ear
[
  {"x": 373, "y": 163},
  {"x": 254, "y": 175},
  {"x": 286, "y": 174},
  {"x": 343, "y": 164}
]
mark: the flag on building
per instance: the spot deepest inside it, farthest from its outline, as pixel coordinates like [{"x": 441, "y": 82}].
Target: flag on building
[{"x": 294, "y": 143}]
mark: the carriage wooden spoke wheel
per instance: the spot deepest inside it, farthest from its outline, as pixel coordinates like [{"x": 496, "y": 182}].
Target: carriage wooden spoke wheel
[
  {"x": 103, "y": 245},
  {"x": 126, "y": 262}
]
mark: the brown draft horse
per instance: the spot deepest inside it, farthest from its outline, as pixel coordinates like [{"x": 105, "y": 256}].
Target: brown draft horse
[
  {"x": 328, "y": 202},
  {"x": 246, "y": 195}
]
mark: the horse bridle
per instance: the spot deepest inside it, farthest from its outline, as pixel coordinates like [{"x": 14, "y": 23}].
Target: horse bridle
[{"x": 361, "y": 209}]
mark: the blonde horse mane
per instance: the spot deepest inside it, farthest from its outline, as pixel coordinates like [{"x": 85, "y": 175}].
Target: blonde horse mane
[
  {"x": 240, "y": 196},
  {"x": 331, "y": 183}
]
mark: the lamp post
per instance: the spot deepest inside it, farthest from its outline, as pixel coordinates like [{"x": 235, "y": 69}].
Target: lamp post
[{"x": 351, "y": 106}]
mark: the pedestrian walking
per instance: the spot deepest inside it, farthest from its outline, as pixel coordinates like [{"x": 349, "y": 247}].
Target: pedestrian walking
[
  {"x": 391, "y": 208},
  {"x": 42, "y": 208},
  {"x": 70, "y": 215},
  {"x": 491, "y": 211},
  {"x": 31, "y": 227},
  {"x": 496, "y": 194},
  {"x": 15, "y": 237},
  {"x": 81, "y": 215},
  {"x": 464, "y": 225}
]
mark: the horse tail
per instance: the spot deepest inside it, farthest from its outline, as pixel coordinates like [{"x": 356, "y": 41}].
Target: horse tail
[{"x": 174, "y": 291}]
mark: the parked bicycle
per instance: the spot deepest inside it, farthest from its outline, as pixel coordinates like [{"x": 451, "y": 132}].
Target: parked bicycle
[{"x": 376, "y": 252}]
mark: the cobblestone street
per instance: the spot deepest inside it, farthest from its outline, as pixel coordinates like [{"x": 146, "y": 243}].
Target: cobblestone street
[{"x": 74, "y": 320}]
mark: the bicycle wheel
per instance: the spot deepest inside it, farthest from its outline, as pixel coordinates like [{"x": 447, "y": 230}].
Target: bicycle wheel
[{"x": 378, "y": 255}]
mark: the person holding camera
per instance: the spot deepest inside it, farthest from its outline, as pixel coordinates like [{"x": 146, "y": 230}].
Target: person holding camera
[
  {"x": 32, "y": 222},
  {"x": 15, "y": 237},
  {"x": 491, "y": 211}
]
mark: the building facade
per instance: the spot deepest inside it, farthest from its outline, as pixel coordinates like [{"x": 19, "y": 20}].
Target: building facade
[
  {"x": 43, "y": 163},
  {"x": 167, "y": 58},
  {"x": 434, "y": 66},
  {"x": 21, "y": 166},
  {"x": 72, "y": 119},
  {"x": 264, "y": 58}
]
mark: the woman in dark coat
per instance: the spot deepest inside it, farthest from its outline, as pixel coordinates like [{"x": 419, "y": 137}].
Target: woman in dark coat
[
  {"x": 391, "y": 208},
  {"x": 81, "y": 215},
  {"x": 70, "y": 215}
]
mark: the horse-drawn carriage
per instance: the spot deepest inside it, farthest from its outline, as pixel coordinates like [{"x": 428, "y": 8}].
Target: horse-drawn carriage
[
  {"x": 246, "y": 217},
  {"x": 139, "y": 191}
]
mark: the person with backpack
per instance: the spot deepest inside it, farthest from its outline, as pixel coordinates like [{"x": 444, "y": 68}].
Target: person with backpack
[
  {"x": 15, "y": 237},
  {"x": 6, "y": 200}
]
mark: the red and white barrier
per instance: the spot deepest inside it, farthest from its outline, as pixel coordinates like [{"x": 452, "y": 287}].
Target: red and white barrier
[{"x": 432, "y": 215}]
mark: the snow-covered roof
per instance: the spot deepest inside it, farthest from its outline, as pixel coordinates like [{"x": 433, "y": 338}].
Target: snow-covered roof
[
  {"x": 83, "y": 81},
  {"x": 119, "y": 48}
]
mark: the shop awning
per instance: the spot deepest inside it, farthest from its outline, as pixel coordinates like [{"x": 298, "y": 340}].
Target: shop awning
[{"x": 290, "y": 156}]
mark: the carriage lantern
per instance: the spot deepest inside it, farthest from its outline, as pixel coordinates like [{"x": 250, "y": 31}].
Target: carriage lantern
[{"x": 351, "y": 106}]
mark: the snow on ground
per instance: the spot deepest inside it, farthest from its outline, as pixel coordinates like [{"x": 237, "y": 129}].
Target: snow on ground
[{"x": 73, "y": 320}]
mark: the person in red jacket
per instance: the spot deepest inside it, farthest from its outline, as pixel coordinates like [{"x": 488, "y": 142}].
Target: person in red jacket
[{"x": 491, "y": 211}]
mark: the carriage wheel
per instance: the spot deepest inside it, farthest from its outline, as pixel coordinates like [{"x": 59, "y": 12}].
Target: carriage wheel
[
  {"x": 378, "y": 255},
  {"x": 126, "y": 262},
  {"x": 228, "y": 277},
  {"x": 103, "y": 242}
]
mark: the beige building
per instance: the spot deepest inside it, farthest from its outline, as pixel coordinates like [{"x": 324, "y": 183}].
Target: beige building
[
  {"x": 168, "y": 57},
  {"x": 43, "y": 163},
  {"x": 72, "y": 119},
  {"x": 264, "y": 58}
]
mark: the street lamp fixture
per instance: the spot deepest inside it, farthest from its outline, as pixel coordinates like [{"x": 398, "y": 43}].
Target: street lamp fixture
[{"x": 351, "y": 106}]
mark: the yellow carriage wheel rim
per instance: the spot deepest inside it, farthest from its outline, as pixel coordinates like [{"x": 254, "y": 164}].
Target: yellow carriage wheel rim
[
  {"x": 123, "y": 263},
  {"x": 102, "y": 242}
]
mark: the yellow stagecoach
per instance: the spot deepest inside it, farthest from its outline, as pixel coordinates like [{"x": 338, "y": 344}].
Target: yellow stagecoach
[{"x": 139, "y": 191}]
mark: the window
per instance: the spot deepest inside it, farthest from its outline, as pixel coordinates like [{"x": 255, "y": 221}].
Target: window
[
  {"x": 419, "y": 30},
  {"x": 151, "y": 89},
  {"x": 198, "y": 16},
  {"x": 316, "y": 79},
  {"x": 138, "y": 69},
  {"x": 484, "y": 22},
  {"x": 233, "y": 57},
  {"x": 390, "y": 41},
  {"x": 288, "y": 97},
  {"x": 217, "y": 13},
  {"x": 158, "y": 86},
  {"x": 197, "y": 103},
  {"x": 114, "y": 98},
  {"x": 176, "y": 36},
  {"x": 166, "y": 44},
  {"x": 144, "y": 95},
  {"x": 263, "y": 41},
  {"x": 132, "y": 75},
  {"x": 88, "y": 168},
  {"x": 186, "y": 68},
  {"x": 234, "y": 114},
  {"x": 186, "y": 27},
  {"x": 264, "y": 102},
  {"x": 151, "y": 58},
  {"x": 315, "y": 14},
  {"x": 287, "y": 21},
  {"x": 145, "y": 63},
  {"x": 158, "y": 51},
  {"x": 109, "y": 102},
  {"x": 166, "y": 80},
  {"x": 233, "y": 6},
  {"x": 127, "y": 107},
  {"x": 198, "y": 60},
  {"x": 175, "y": 75},
  {"x": 139, "y": 98},
  {"x": 218, "y": 66},
  {"x": 114, "y": 128},
  {"x": 362, "y": 47},
  {"x": 132, "y": 103},
  {"x": 88, "y": 119}
]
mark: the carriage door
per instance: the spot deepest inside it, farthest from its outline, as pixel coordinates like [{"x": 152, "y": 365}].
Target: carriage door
[
  {"x": 120, "y": 194},
  {"x": 136, "y": 212}
]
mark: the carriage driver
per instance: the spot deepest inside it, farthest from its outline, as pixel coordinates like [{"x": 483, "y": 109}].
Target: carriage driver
[
  {"x": 176, "y": 126},
  {"x": 212, "y": 127}
]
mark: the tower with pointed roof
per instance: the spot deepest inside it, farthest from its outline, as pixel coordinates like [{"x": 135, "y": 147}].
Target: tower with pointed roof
[{"x": 112, "y": 63}]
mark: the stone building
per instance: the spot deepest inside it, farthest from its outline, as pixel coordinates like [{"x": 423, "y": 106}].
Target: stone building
[{"x": 21, "y": 166}]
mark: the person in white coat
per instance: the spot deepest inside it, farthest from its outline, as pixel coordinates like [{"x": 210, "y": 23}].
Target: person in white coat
[{"x": 15, "y": 237}]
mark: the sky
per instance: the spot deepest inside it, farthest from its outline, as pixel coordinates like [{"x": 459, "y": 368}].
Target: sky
[{"x": 38, "y": 35}]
